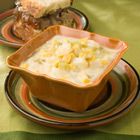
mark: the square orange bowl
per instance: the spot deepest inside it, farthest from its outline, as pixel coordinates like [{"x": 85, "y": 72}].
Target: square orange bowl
[{"x": 60, "y": 92}]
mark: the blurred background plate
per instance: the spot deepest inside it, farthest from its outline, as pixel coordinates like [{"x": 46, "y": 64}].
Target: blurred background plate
[{"x": 7, "y": 37}]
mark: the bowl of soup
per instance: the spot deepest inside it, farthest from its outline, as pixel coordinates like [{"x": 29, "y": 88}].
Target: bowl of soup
[{"x": 67, "y": 67}]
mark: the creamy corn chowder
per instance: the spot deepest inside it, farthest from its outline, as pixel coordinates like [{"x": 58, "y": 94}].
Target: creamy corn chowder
[{"x": 80, "y": 61}]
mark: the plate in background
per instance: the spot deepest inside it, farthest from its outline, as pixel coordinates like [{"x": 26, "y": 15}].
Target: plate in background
[{"x": 7, "y": 38}]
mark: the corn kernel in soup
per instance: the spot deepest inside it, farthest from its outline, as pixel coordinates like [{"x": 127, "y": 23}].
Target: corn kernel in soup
[{"x": 80, "y": 61}]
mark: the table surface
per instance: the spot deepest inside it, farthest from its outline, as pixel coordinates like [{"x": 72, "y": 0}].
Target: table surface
[{"x": 114, "y": 18}]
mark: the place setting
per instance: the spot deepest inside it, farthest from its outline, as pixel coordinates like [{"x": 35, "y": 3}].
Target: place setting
[
  {"x": 63, "y": 75},
  {"x": 116, "y": 102}
]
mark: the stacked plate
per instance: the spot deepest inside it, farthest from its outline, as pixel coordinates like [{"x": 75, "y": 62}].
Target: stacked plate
[{"x": 120, "y": 95}]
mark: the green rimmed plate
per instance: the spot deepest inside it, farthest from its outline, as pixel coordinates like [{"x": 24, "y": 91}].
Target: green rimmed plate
[
  {"x": 122, "y": 92},
  {"x": 9, "y": 39}
]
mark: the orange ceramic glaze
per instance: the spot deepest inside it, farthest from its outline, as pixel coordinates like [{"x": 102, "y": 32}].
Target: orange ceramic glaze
[{"x": 60, "y": 92}]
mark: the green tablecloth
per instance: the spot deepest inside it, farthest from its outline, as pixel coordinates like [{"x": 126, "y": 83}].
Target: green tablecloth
[{"x": 115, "y": 18}]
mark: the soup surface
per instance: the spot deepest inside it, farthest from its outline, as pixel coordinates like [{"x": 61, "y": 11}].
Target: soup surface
[{"x": 79, "y": 61}]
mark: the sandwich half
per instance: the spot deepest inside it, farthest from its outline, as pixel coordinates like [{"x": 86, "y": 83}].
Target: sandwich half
[{"x": 33, "y": 16}]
